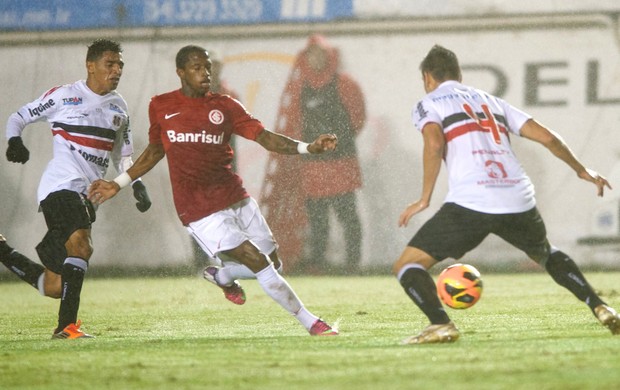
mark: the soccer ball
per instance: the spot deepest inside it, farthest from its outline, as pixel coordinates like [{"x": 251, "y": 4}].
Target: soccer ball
[{"x": 459, "y": 286}]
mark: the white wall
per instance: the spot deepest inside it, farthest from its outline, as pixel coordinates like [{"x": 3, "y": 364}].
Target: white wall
[
  {"x": 386, "y": 65},
  {"x": 441, "y": 8}
]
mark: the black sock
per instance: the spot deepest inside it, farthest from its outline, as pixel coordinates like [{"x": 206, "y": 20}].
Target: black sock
[
  {"x": 26, "y": 269},
  {"x": 421, "y": 288},
  {"x": 566, "y": 273},
  {"x": 72, "y": 277}
]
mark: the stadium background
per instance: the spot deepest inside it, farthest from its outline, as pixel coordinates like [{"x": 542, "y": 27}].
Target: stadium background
[{"x": 557, "y": 60}]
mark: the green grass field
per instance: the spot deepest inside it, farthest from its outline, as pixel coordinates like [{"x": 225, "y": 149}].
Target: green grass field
[{"x": 180, "y": 333}]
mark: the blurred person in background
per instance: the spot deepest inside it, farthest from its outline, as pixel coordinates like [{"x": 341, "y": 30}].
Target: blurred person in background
[
  {"x": 489, "y": 192},
  {"x": 192, "y": 128},
  {"x": 319, "y": 98},
  {"x": 90, "y": 127}
]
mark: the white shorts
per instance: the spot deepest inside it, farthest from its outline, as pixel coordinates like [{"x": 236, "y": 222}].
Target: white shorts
[{"x": 230, "y": 227}]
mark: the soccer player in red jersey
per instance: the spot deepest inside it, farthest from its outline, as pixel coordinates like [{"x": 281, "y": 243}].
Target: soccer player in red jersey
[{"x": 193, "y": 127}]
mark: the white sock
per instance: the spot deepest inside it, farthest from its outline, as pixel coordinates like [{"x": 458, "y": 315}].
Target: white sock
[
  {"x": 230, "y": 272},
  {"x": 41, "y": 284},
  {"x": 279, "y": 290},
  {"x": 306, "y": 318}
]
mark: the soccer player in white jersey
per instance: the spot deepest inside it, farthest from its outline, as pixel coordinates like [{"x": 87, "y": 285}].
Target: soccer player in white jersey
[
  {"x": 489, "y": 192},
  {"x": 90, "y": 128}
]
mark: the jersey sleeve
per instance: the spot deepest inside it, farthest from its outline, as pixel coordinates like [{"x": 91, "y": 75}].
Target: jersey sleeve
[
  {"x": 123, "y": 142},
  {"x": 424, "y": 113},
  {"x": 244, "y": 124},
  {"x": 515, "y": 118},
  {"x": 155, "y": 127},
  {"x": 37, "y": 110}
]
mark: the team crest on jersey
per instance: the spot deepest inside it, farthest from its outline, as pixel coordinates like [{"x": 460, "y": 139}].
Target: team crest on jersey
[
  {"x": 216, "y": 117},
  {"x": 71, "y": 101},
  {"x": 117, "y": 120}
]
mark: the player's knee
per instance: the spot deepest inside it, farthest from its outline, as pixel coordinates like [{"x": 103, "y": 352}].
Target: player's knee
[
  {"x": 80, "y": 245},
  {"x": 541, "y": 256},
  {"x": 257, "y": 262},
  {"x": 250, "y": 256},
  {"x": 83, "y": 250},
  {"x": 413, "y": 255}
]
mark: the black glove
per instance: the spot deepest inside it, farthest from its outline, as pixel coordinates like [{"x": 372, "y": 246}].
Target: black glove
[
  {"x": 17, "y": 152},
  {"x": 139, "y": 192}
]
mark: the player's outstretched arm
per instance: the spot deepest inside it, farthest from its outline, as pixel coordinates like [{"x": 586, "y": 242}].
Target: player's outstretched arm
[
  {"x": 102, "y": 190},
  {"x": 434, "y": 146},
  {"x": 536, "y": 132},
  {"x": 282, "y": 144}
]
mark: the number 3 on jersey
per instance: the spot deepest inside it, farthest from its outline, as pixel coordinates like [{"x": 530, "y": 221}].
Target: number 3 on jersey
[{"x": 487, "y": 122}]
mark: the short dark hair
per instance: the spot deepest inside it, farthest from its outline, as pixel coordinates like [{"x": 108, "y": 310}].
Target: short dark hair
[
  {"x": 184, "y": 53},
  {"x": 99, "y": 46},
  {"x": 442, "y": 64}
]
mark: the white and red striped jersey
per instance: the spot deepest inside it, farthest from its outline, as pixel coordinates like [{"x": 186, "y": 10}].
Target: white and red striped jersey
[
  {"x": 483, "y": 172},
  {"x": 88, "y": 131}
]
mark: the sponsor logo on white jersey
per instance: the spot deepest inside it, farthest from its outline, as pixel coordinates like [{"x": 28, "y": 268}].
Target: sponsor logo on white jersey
[
  {"x": 102, "y": 161},
  {"x": 116, "y": 108},
  {"x": 495, "y": 169},
  {"x": 203, "y": 137},
  {"x": 72, "y": 101},
  {"x": 41, "y": 107}
]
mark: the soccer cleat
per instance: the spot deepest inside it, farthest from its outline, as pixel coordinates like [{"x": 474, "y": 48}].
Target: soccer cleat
[
  {"x": 72, "y": 331},
  {"x": 608, "y": 317},
  {"x": 233, "y": 293},
  {"x": 320, "y": 328},
  {"x": 438, "y": 333}
]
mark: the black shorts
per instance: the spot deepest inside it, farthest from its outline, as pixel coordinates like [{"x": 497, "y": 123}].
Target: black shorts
[
  {"x": 65, "y": 212},
  {"x": 455, "y": 230}
]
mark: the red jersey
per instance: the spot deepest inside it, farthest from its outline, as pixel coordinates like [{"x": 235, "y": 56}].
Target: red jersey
[{"x": 195, "y": 133}]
